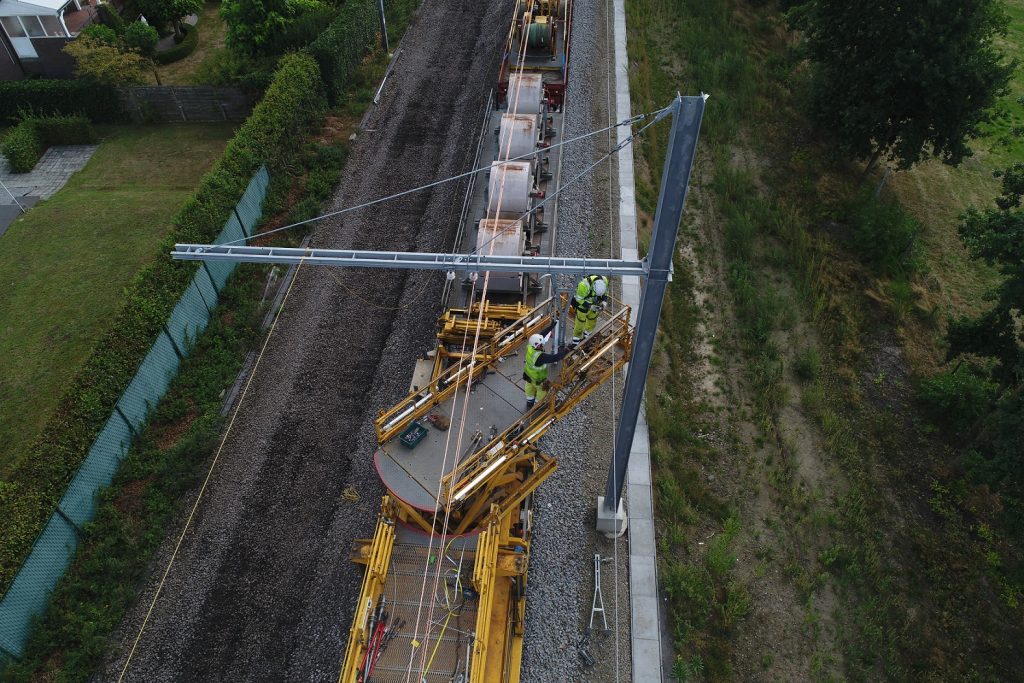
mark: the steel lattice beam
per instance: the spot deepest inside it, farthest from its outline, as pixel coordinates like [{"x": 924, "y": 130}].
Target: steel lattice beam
[{"x": 416, "y": 260}]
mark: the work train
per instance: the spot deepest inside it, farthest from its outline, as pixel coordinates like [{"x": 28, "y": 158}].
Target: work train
[{"x": 445, "y": 589}]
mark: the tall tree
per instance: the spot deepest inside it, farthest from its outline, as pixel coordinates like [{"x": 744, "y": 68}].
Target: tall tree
[
  {"x": 997, "y": 236},
  {"x": 252, "y": 24},
  {"x": 904, "y": 79},
  {"x": 159, "y": 13}
]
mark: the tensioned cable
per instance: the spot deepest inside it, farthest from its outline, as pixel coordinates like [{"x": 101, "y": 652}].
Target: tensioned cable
[
  {"x": 579, "y": 176},
  {"x": 658, "y": 115},
  {"x": 209, "y": 473},
  {"x": 628, "y": 122}
]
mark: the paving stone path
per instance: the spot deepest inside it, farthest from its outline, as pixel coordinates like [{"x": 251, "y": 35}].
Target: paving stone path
[{"x": 50, "y": 174}]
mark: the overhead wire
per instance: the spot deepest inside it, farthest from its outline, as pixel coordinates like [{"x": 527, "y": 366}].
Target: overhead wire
[
  {"x": 628, "y": 122},
  {"x": 657, "y": 116},
  {"x": 609, "y": 76}
]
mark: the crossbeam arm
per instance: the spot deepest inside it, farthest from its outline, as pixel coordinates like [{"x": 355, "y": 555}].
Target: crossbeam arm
[{"x": 411, "y": 260}]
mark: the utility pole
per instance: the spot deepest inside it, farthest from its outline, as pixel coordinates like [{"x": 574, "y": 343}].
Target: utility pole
[{"x": 687, "y": 113}]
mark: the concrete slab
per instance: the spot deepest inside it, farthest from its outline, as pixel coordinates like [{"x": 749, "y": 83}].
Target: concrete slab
[
  {"x": 640, "y": 497},
  {"x": 640, "y": 529},
  {"x": 643, "y": 565},
  {"x": 645, "y": 611},
  {"x": 51, "y": 172},
  {"x": 642, "y": 570},
  {"x": 646, "y": 660},
  {"x": 10, "y": 212},
  {"x": 640, "y": 473}
]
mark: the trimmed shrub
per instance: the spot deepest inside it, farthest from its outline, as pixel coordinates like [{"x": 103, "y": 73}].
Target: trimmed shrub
[
  {"x": 183, "y": 49},
  {"x": 273, "y": 134},
  {"x": 142, "y": 37},
  {"x": 100, "y": 103},
  {"x": 29, "y": 139},
  {"x": 958, "y": 399},
  {"x": 23, "y": 146},
  {"x": 300, "y": 30},
  {"x": 233, "y": 68},
  {"x": 103, "y": 34},
  {"x": 65, "y": 130},
  {"x": 341, "y": 48}
]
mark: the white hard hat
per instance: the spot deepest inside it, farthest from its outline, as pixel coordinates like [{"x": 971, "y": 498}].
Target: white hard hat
[
  {"x": 536, "y": 341},
  {"x": 600, "y": 287}
]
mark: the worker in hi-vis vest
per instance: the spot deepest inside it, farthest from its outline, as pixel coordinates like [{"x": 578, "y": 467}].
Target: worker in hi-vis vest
[
  {"x": 536, "y": 370},
  {"x": 589, "y": 299}
]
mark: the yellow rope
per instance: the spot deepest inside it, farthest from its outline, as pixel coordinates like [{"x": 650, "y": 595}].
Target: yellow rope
[{"x": 202, "y": 489}]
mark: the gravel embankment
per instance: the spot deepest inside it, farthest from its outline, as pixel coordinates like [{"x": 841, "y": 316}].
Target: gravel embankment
[{"x": 262, "y": 588}]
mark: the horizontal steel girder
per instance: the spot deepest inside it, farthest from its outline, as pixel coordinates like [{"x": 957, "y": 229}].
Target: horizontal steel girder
[{"x": 410, "y": 260}]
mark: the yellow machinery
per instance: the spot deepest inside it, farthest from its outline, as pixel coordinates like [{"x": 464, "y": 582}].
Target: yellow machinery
[{"x": 443, "y": 597}]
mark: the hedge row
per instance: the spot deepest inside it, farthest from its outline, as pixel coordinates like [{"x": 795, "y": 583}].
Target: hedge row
[
  {"x": 273, "y": 135},
  {"x": 183, "y": 49},
  {"x": 341, "y": 48},
  {"x": 100, "y": 103},
  {"x": 27, "y": 141}
]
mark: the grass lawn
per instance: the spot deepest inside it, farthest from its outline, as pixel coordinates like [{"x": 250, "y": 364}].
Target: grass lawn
[
  {"x": 64, "y": 265},
  {"x": 211, "y": 42}
]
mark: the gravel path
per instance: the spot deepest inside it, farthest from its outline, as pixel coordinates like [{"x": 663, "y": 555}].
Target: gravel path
[{"x": 262, "y": 588}]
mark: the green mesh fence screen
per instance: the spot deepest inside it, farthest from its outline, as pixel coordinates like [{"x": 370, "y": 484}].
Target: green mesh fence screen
[{"x": 55, "y": 546}]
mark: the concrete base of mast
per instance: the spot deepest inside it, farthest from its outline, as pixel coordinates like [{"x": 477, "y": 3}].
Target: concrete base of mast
[{"x": 612, "y": 525}]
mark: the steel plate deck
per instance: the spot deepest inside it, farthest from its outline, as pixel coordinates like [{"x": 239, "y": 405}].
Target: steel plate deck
[{"x": 414, "y": 474}]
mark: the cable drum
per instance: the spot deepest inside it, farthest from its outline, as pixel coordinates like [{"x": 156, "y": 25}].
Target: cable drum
[
  {"x": 509, "y": 186},
  {"x": 517, "y": 136},
  {"x": 538, "y": 35},
  {"x": 525, "y": 92}
]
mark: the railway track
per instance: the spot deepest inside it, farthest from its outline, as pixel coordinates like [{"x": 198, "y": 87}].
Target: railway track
[{"x": 261, "y": 588}]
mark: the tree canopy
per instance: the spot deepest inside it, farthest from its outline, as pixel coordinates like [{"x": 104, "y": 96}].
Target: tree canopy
[
  {"x": 159, "y": 13},
  {"x": 997, "y": 236},
  {"x": 269, "y": 27},
  {"x": 904, "y": 79},
  {"x": 253, "y": 23}
]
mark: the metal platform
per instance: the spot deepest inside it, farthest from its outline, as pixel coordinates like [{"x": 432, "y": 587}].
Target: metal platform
[
  {"x": 447, "y": 618},
  {"x": 495, "y": 403}
]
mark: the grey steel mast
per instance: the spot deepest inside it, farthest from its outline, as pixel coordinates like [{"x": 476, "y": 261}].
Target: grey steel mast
[{"x": 687, "y": 113}]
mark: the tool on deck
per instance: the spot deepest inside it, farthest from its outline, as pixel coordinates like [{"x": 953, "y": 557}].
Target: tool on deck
[
  {"x": 581, "y": 648},
  {"x": 598, "y": 604}
]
